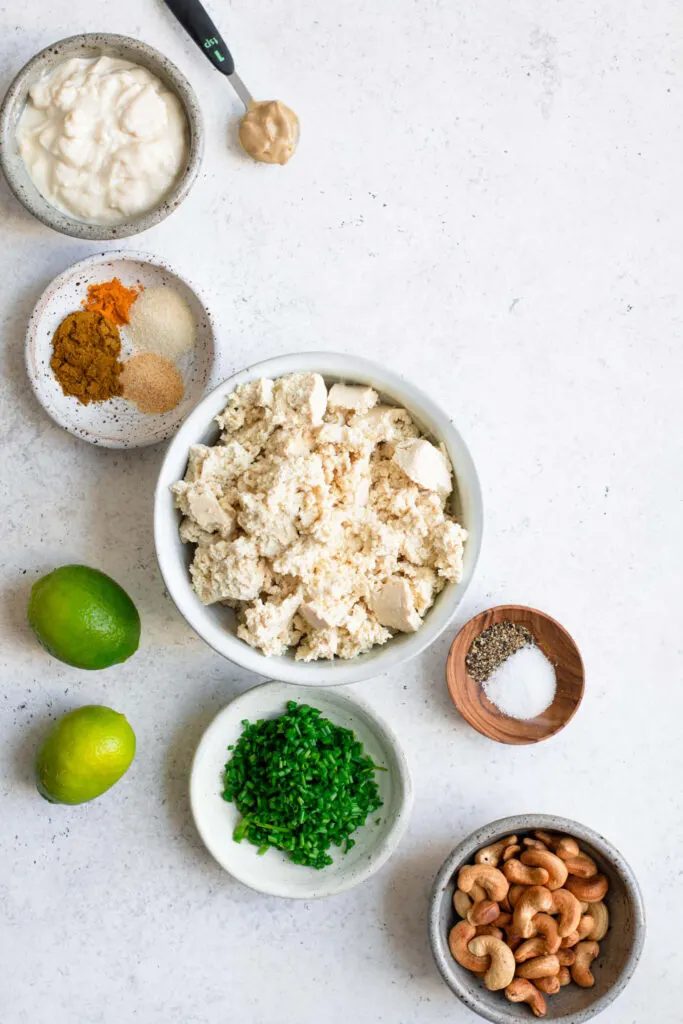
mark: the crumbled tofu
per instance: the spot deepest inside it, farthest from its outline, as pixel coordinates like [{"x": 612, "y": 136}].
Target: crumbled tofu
[
  {"x": 321, "y": 519},
  {"x": 394, "y": 606},
  {"x": 425, "y": 465},
  {"x": 352, "y": 397}
]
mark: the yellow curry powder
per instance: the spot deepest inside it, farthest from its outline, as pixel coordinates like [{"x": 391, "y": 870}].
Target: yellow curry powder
[{"x": 85, "y": 360}]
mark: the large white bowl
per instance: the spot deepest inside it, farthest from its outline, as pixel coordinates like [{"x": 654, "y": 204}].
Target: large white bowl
[
  {"x": 216, "y": 624},
  {"x": 273, "y": 872}
]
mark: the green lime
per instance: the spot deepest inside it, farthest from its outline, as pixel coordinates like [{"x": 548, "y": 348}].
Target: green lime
[
  {"x": 86, "y": 752},
  {"x": 83, "y": 617}
]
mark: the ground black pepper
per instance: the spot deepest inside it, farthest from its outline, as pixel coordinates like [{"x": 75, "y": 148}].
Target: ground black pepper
[{"x": 493, "y": 646}]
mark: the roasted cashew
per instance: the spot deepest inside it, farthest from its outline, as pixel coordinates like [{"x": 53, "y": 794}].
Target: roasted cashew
[
  {"x": 515, "y": 894},
  {"x": 477, "y": 893},
  {"x": 564, "y": 976},
  {"x": 549, "y": 985},
  {"x": 503, "y": 920},
  {"x": 588, "y": 890},
  {"x": 566, "y": 957},
  {"x": 461, "y": 902},
  {"x": 586, "y": 953},
  {"x": 546, "y": 926},
  {"x": 556, "y": 868},
  {"x": 511, "y": 851},
  {"x": 566, "y": 847},
  {"x": 530, "y": 948},
  {"x": 521, "y": 991},
  {"x": 458, "y": 938},
  {"x": 570, "y": 940},
  {"x": 535, "y": 844},
  {"x": 518, "y": 874},
  {"x": 582, "y": 866},
  {"x": 534, "y": 900},
  {"x": 502, "y": 969},
  {"x": 493, "y": 853},
  {"x": 485, "y": 912},
  {"x": 489, "y": 878},
  {"x": 586, "y": 925},
  {"x": 600, "y": 916},
  {"x": 545, "y": 837},
  {"x": 541, "y": 967},
  {"x": 489, "y": 929},
  {"x": 568, "y": 907}
]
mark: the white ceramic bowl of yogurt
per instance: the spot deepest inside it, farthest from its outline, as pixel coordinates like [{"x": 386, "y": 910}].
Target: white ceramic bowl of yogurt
[
  {"x": 217, "y": 624},
  {"x": 135, "y": 162}
]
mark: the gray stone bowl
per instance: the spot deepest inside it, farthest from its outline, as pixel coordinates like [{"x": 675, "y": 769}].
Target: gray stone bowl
[
  {"x": 96, "y": 44},
  {"x": 619, "y": 951}
]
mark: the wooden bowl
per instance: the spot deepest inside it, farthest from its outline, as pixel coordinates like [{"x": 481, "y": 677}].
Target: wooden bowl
[{"x": 475, "y": 707}]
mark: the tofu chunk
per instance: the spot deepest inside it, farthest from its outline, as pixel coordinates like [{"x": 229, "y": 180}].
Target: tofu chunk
[
  {"x": 425, "y": 465},
  {"x": 354, "y": 397},
  {"x": 394, "y": 606}
]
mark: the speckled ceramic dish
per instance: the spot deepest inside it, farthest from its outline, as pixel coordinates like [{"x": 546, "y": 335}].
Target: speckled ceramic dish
[
  {"x": 273, "y": 872},
  {"x": 115, "y": 423},
  {"x": 96, "y": 44},
  {"x": 619, "y": 951}
]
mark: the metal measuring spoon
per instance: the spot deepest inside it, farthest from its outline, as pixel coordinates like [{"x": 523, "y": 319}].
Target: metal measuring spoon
[{"x": 269, "y": 131}]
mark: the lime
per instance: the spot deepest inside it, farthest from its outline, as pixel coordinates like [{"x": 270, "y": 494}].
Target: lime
[
  {"x": 86, "y": 752},
  {"x": 83, "y": 617}
]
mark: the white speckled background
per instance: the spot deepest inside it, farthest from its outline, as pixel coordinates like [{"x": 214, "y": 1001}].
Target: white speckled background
[{"x": 487, "y": 197}]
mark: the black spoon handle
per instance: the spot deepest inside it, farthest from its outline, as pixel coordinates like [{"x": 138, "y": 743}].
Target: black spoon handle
[{"x": 195, "y": 20}]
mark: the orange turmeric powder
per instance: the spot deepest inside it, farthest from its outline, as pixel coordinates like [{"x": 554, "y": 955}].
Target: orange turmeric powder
[{"x": 112, "y": 299}]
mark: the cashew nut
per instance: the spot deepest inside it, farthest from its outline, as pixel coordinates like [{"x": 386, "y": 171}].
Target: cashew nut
[
  {"x": 493, "y": 853},
  {"x": 503, "y": 920},
  {"x": 564, "y": 976},
  {"x": 566, "y": 957},
  {"x": 546, "y": 838},
  {"x": 582, "y": 866},
  {"x": 570, "y": 940},
  {"x": 534, "y": 844},
  {"x": 512, "y": 851},
  {"x": 485, "y": 912},
  {"x": 535, "y": 900},
  {"x": 515, "y": 894},
  {"x": 566, "y": 847},
  {"x": 588, "y": 890},
  {"x": 556, "y": 868},
  {"x": 586, "y": 925},
  {"x": 458, "y": 938},
  {"x": 600, "y": 916},
  {"x": 502, "y": 969},
  {"x": 477, "y": 893},
  {"x": 568, "y": 907},
  {"x": 519, "y": 874},
  {"x": 586, "y": 953},
  {"x": 521, "y": 991},
  {"x": 541, "y": 967},
  {"x": 489, "y": 878},
  {"x": 461, "y": 902},
  {"x": 549, "y": 985},
  {"x": 547, "y": 927},
  {"x": 489, "y": 929},
  {"x": 529, "y": 949}
]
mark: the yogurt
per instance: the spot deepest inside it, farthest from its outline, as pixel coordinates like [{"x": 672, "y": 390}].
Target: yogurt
[{"x": 102, "y": 139}]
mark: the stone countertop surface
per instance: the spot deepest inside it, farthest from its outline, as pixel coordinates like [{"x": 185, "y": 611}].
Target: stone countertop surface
[{"x": 487, "y": 198}]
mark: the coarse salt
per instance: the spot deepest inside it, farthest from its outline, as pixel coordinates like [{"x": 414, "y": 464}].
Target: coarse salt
[{"x": 524, "y": 685}]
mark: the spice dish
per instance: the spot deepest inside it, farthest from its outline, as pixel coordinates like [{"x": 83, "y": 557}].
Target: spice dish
[
  {"x": 273, "y": 872},
  {"x": 166, "y": 190},
  {"x": 217, "y": 624},
  {"x": 620, "y": 947},
  {"x": 150, "y": 382},
  {"x": 469, "y": 662}
]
